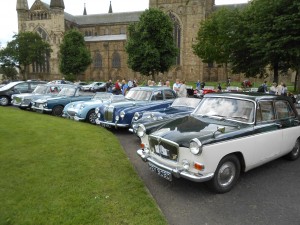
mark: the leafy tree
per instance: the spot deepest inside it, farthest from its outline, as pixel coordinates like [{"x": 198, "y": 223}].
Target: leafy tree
[
  {"x": 74, "y": 56},
  {"x": 9, "y": 72},
  {"x": 25, "y": 48},
  {"x": 150, "y": 46},
  {"x": 213, "y": 43}
]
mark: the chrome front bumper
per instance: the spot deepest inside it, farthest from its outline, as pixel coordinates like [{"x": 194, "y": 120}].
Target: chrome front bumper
[
  {"x": 41, "y": 109},
  {"x": 175, "y": 172},
  {"x": 116, "y": 125}
]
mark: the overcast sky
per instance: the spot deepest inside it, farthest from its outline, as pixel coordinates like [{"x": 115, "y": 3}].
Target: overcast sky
[{"x": 8, "y": 13}]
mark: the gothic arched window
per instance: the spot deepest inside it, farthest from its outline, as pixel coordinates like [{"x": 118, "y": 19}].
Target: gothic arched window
[
  {"x": 116, "y": 60},
  {"x": 98, "y": 60},
  {"x": 176, "y": 34},
  {"x": 44, "y": 67}
]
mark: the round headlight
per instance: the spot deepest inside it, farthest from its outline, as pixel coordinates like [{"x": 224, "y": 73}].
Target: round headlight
[
  {"x": 136, "y": 116},
  {"x": 117, "y": 118},
  {"x": 122, "y": 114},
  {"x": 195, "y": 146},
  {"x": 141, "y": 130},
  {"x": 81, "y": 106}
]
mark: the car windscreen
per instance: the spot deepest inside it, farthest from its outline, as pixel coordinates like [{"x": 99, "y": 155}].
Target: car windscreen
[
  {"x": 138, "y": 95},
  {"x": 67, "y": 92},
  {"x": 186, "y": 102},
  {"x": 40, "y": 89},
  {"x": 102, "y": 96},
  {"x": 227, "y": 108}
]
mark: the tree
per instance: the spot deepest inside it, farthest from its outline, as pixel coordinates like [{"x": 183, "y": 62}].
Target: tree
[
  {"x": 9, "y": 72},
  {"x": 213, "y": 43},
  {"x": 150, "y": 46},
  {"x": 74, "y": 55},
  {"x": 25, "y": 48}
]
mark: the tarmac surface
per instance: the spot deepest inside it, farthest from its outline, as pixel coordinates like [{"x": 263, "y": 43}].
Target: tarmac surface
[{"x": 269, "y": 194}]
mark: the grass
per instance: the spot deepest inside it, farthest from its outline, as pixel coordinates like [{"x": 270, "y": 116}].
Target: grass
[{"x": 57, "y": 171}]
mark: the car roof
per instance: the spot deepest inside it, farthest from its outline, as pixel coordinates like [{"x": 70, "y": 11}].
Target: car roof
[
  {"x": 255, "y": 96},
  {"x": 151, "y": 88}
]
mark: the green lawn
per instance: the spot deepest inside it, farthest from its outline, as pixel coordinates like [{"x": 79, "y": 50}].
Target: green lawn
[{"x": 58, "y": 171}]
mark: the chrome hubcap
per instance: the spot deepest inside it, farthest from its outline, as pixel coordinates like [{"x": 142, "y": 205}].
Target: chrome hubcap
[
  {"x": 295, "y": 151},
  {"x": 226, "y": 174},
  {"x": 93, "y": 118}
]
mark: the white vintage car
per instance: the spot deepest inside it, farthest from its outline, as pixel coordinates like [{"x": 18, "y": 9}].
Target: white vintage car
[{"x": 226, "y": 134}]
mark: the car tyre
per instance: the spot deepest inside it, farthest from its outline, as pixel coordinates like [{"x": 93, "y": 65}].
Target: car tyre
[
  {"x": 91, "y": 117},
  {"x": 295, "y": 153},
  {"x": 4, "y": 101},
  {"x": 57, "y": 110},
  {"x": 226, "y": 175}
]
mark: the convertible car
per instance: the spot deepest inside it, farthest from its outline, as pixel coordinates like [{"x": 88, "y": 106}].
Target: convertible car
[
  {"x": 138, "y": 99},
  {"x": 23, "y": 101},
  {"x": 150, "y": 120},
  {"x": 55, "y": 105},
  {"x": 85, "y": 110},
  {"x": 226, "y": 134}
]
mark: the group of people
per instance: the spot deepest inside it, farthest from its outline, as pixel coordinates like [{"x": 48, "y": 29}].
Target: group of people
[
  {"x": 275, "y": 89},
  {"x": 180, "y": 88},
  {"x": 120, "y": 87}
]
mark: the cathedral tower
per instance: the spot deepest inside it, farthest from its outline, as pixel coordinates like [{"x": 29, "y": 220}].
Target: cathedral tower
[{"x": 22, "y": 10}]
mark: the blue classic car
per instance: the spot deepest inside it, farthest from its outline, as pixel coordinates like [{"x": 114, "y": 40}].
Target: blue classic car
[
  {"x": 151, "y": 120},
  {"x": 55, "y": 105},
  {"x": 23, "y": 101},
  {"x": 85, "y": 110},
  {"x": 228, "y": 133},
  {"x": 138, "y": 99}
]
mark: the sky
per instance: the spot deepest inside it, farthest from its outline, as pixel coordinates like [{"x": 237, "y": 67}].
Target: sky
[{"x": 9, "y": 22}]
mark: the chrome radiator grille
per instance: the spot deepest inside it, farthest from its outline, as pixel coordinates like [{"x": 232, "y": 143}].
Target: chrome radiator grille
[
  {"x": 109, "y": 113},
  {"x": 164, "y": 148}
]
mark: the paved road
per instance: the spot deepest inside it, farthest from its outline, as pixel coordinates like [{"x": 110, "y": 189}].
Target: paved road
[{"x": 269, "y": 194}]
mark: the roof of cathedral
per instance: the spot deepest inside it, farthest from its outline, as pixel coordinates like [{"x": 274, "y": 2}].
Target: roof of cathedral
[
  {"x": 106, "y": 18},
  {"x": 118, "y": 37},
  {"x": 231, "y": 6}
]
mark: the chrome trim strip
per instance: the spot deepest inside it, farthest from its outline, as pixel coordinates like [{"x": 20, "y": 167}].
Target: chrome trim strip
[{"x": 114, "y": 124}]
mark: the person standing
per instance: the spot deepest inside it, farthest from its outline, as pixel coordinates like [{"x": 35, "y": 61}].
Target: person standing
[
  {"x": 108, "y": 86},
  {"x": 273, "y": 88},
  {"x": 198, "y": 85},
  {"x": 176, "y": 86},
  {"x": 182, "y": 92}
]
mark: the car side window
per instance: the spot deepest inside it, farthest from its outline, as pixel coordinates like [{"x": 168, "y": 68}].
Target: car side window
[
  {"x": 283, "y": 110},
  {"x": 266, "y": 111},
  {"x": 157, "y": 96},
  {"x": 33, "y": 85},
  {"x": 21, "y": 87},
  {"x": 169, "y": 94}
]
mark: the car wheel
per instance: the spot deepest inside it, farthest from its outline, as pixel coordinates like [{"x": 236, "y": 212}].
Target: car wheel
[
  {"x": 91, "y": 117},
  {"x": 226, "y": 174},
  {"x": 4, "y": 100},
  {"x": 295, "y": 153},
  {"x": 57, "y": 110}
]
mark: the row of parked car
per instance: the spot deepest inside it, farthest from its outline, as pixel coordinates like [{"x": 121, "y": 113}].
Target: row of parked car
[{"x": 211, "y": 139}]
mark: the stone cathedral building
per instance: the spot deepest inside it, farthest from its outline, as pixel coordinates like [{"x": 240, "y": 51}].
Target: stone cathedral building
[{"x": 106, "y": 34}]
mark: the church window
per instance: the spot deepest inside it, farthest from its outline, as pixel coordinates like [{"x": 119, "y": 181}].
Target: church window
[
  {"x": 90, "y": 33},
  {"x": 96, "y": 34},
  {"x": 116, "y": 60},
  {"x": 86, "y": 33},
  {"x": 98, "y": 60},
  {"x": 122, "y": 30},
  {"x": 176, "y": 35}
]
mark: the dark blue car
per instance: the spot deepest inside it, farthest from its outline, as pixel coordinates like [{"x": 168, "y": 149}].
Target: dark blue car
[{"x": 138, "y": 99}]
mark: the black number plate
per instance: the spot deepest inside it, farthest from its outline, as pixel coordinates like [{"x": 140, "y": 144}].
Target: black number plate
[{"x": 163, "y": 173}]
